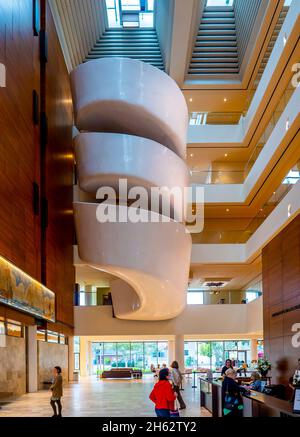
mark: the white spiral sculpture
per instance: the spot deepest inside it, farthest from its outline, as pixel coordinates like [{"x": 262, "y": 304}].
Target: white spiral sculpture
[{"x": 133, "y": 121}]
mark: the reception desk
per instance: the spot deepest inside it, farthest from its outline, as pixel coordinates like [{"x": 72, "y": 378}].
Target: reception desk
[{"x": 255, "y": 404}]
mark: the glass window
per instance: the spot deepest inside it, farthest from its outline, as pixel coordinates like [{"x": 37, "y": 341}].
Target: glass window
[
  {"x": 130, "y": 13},
  {"x": 244, "y": 345},
  {"x": 190, "y": 355},
  {"x": 76, "y": 361},
  {"x": 162, "y": 353},
  {"x": 217, "y": 354},
  {"x": 204, "y": 355},
  {"x": 41, "y": 335},
  {"x": 109, "y": 356},
  {"x": 76, "y": 344},
  {"x": 62, "y": 339},
  {"x": 212, "y": 3},
  {"x": 2, "y": 326},
  {"x": 137, "y": 355},
  {"x": 52, "y": 337},
  {"x": 150, "y": 355},
  {"x": 123, "y": 353},
  {"x": 231, "y": 345},
  {"x": 195, "y": 298}
]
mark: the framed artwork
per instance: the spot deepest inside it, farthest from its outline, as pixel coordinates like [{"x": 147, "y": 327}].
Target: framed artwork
[{"x": 20, "y": 291}]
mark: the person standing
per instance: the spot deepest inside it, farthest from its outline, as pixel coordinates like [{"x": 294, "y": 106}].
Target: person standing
[
  {"x": 228, "y": 365},
  {"x": 176, "y": 378},
  {"x": 232, "y": 395},
  {"x": 57, "y": 392},
  {"x": 163, "y": 395}
]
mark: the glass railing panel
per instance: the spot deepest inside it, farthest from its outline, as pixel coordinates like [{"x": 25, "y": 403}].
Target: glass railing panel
[
  {"x": 222, "y": 297},
  {"x": 216, "y": 177},
  {"x": 225, "y": 235},
  {"x": 214, "y": 118}
]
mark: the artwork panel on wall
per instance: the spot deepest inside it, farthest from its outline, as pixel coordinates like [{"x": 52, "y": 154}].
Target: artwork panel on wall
[{"x": 20, "y": 291}]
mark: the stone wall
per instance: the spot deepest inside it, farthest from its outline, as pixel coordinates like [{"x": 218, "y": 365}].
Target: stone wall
[
  {"x": 13, "y": 367},
  {"x": 49, "y": 356}
]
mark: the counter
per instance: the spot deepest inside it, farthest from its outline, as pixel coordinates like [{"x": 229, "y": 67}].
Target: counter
[{"x": 255, "y": 404}]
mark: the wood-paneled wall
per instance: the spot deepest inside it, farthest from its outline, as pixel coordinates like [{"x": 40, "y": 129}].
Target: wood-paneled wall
[
  {"x": 59, "y": 166},
  {"x": 281, "y": 291},
  {"x": 45, "y": 254},
  {"x": 19, "y": 141}
]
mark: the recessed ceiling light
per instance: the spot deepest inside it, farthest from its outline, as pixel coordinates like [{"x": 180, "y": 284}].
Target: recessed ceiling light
[
  {"x": 192, "y": 155},
  {"x": 225, "y": 100},
  {"x": 227, "y": 210},
  {"x": 226, "y": 154},
  {"x": 191, "y": 100}
]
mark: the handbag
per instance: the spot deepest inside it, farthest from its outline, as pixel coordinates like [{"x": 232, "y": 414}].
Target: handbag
[
  {"x": 231, "y": 402},
  {"x": 175, "y": 412}
]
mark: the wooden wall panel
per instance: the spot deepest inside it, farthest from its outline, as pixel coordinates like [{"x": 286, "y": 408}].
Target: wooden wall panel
[
  {"x": 59, "y": 167},
  {"x": 47, "y": 254},
  {"x": 281, "y": 290},
  {"x": 19, "y": 147}
]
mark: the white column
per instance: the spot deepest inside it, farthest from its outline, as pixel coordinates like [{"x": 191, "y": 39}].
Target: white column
[
  {"x": 71, "y": 358},
  {"x": 83, "y": 356},
  {"x": 253, "y": 350},
  {"x": 32, "y": 370},
  {"x": 171, "y": 351},
  {"x": 179, "y": 351},
  {"x": 90, "y": 358}
]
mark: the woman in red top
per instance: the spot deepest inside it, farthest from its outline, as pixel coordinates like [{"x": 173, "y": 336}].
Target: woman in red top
[{"x": 163, "y": 395}]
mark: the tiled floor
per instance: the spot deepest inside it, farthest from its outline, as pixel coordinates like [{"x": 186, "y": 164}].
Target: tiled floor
[{"x": 93, "y": 398}]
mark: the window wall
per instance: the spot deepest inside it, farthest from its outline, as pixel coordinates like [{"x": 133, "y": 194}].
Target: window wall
[
  {"x": 139, "y": 355},
  {"x": 212, "y": 354}
]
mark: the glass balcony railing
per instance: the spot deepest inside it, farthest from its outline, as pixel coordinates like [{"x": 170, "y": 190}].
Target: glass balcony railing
[
  {"x": 89, "y": 299},
  {"x": 280, "y": 108},
  {"x": 211, "y": 177},
  {"x": 231, "y": 232},
  {"x": 214, "y": 118},
  {"x": 238, "y": 176},
  {"x": 221, "y": 297}
]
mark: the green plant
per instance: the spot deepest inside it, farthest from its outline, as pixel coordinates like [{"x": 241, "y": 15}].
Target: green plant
[{"x": 264, "y": 365}]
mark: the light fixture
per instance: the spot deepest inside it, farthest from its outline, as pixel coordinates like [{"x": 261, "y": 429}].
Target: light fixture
[
  {"x": 225, "y": 99},
  {"x": 289, "y": 210},
  {"x": 287, "y": 125},
  {"x": 284, "y": 39},
  {"x": 227, "y": 210},
  {"x": 226, "y": 154},
  {"x": 192, "y": 155},
  {"x": 191, "y": 99}
]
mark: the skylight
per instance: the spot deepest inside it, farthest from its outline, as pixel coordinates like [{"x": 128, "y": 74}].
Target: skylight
[
  {"x": 211, "y": 3},
  {"x": 130, "y": 13}
]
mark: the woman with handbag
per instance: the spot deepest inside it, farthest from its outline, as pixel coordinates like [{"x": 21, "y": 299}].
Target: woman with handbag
[
  {"x": 176, "y": 377},
  {"x": 163, "y": 395},
  {"x": 232, "y": 395}
]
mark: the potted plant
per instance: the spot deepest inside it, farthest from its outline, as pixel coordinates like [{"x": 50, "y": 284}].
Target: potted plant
[{"x": 264, "y": 366}]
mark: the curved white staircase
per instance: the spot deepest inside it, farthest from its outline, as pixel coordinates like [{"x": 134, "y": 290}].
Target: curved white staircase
[{"x": 133, "y": 121}]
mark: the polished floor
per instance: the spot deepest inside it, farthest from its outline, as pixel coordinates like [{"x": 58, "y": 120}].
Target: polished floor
[{"x": 93, "y": 398}]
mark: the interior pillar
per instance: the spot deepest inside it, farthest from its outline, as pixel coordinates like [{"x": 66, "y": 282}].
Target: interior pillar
[
  {"x": 171, "y": 351},
  {"x": 71, "y": 358},
  {"x": 253, "y": 350},
  {"x": 32, "y": 357},
  {"x": 179, "y": 351},
  {"x": 83, "y": 356}
]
